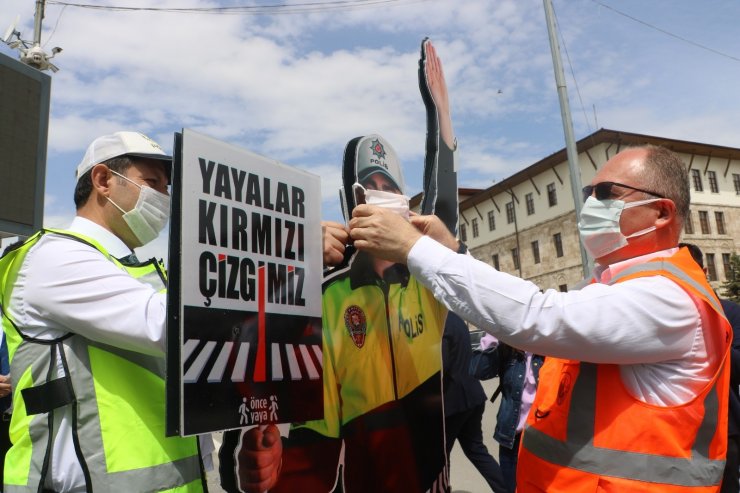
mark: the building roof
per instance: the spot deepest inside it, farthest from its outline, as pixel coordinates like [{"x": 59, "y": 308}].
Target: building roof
[
  {"x": 615, "y": 138},
  {"x": 462, "y": 194}
]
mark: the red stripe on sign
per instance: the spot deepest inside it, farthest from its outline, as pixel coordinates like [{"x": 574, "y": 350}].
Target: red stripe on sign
[
  {"x": 261, "y": 364},
  {"x": 221, "y": 257}
]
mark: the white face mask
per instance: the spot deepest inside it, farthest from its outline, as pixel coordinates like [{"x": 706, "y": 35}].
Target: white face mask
[
  {"x": 150, "y": 214},
  {"x": 388, "y": 200},
  {"x": 599, "y": 226}
]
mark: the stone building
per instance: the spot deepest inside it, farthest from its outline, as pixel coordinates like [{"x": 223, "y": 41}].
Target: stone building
[{"x": 526, "y": 224}]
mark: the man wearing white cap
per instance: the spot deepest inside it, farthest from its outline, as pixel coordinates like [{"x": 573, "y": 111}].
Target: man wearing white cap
[{"x": 85, "y": 324}]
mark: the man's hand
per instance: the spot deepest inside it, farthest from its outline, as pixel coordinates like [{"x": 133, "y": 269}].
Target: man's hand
[
  {"x": 5, "y": 387},
  {"x": 438, "y": 87},
  {"x": 259, "y": 458},
  {"x": 433, "y": 227},
  {"x": 382, "y": 233},
  {"x": 335, "y": 237}
]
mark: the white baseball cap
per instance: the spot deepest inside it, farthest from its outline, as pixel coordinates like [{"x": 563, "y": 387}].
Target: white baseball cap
[
  {"x": 376, "y": 155},
  {"x": 120, "y": 144}
]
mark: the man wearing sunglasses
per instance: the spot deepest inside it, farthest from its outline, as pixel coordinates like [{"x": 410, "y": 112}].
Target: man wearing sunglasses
[{"x": 633, "y": 394}]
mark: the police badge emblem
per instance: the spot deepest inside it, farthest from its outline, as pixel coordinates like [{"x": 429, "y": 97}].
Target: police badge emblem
[
  {"x": 356, "y": 323},
  {"x": 377, "y": 148}
]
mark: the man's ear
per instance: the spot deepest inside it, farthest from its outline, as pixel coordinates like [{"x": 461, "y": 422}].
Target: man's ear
[
  {"x": 666, "y": 212},
  {"x": 100, "y": 176}
]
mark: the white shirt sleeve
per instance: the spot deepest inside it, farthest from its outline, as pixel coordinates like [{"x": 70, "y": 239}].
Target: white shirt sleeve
[
  {"x": 67, "y": 286},
  {"x": 645, "y": 320}
]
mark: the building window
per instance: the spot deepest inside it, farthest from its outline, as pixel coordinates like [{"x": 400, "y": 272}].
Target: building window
[
  {"x": 515, "y": 257},
  {"x": 475, "y": 227},
  {"x": 704, "y": 222},
  {"x": 463, "y": 233},
  {"x": 689, "y": 224},
  {"x": 558, "y": 244},
  {"x": 736, "y": 182},
  {"x": 696, "y": 178},
  {"x": 530, "y": 204},
  {"x": 713, "y": 182},
  {"x": 563, "y": 288},
  {"x": 491, "y": 221},
  {"x": 536, "y": 251},
  {"x": 494, "y": 258},
  {"x": 711, "y": 269},
  {"x": 727, "y": 266},
  {"x": 510, "y": 212},
  {"x": 552, "y": 196},
  {"x": 719, "y": 218}
]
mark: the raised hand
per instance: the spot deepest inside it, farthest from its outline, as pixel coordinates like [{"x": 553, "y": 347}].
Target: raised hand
[{"x": 438, "y": 87}]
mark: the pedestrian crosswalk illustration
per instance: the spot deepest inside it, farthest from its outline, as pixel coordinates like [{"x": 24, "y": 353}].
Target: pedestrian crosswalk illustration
[{"x": 285, "y": 361}]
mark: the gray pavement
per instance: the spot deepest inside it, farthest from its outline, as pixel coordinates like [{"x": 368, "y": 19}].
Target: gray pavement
[{"x": 465, "y": 478}]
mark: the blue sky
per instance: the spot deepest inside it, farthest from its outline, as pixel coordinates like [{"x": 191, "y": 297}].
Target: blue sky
[{"x": 297, "y": 87}]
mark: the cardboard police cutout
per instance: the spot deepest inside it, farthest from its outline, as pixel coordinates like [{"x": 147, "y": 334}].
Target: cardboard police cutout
[{"x": 382, "y": 333}]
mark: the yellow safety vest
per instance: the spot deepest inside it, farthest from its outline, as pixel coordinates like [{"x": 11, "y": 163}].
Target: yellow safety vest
[{"x": 117, "y": 399}]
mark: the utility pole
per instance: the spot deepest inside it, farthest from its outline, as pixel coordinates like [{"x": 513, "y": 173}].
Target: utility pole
[
  {"x": 38, "y": 17},
  {"x": 570, "y": 143}
]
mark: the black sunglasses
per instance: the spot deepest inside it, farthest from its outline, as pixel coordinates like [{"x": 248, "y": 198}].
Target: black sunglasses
[{"x": 604, "y": 190}]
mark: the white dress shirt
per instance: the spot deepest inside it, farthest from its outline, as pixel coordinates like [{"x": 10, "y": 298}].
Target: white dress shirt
[
  {"x": 649, "y": 326},
  {"x": 66, "y": 286}
]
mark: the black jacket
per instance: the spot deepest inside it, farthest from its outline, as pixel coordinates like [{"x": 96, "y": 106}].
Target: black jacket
[{"x": 461, "y": 390}]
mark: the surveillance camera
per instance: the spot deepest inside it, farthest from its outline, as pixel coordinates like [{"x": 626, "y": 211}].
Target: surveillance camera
[{"x": 56, "y": 50}]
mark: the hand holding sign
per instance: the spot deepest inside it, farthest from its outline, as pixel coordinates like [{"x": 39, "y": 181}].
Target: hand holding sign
[
  {"x": 335, "y": 237},
  {"x": 5, "y": 386},
  {"x": 259, "y": 458}
]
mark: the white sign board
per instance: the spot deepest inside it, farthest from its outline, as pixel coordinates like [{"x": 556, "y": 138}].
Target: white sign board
[{"x": 248, "y": 289}]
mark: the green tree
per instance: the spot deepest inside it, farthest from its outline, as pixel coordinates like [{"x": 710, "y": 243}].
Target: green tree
[{"x": 731, "y": 287}]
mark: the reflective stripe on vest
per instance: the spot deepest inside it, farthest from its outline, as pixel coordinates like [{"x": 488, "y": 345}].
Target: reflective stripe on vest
[
  {"x": 578, "y": 451},
  {"x": 671, "y": 269},
  {"x": 115, "y": 393}
]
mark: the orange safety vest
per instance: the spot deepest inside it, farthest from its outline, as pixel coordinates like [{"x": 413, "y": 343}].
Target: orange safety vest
[{"x": 586, "y": 433}]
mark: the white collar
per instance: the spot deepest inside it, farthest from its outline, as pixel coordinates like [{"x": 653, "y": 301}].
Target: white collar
[
  {"x": 112, "y": 243},
  {"x": 603, "y": 274}
]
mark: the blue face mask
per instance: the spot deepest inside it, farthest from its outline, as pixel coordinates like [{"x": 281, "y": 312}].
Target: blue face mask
[{"x": 599, "y": 225}]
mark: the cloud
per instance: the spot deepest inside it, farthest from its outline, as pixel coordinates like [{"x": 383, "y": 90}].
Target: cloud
[{"x": 296, "y": 88}]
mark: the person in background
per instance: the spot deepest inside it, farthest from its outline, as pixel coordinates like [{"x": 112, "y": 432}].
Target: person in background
[
  {"x": 730, "y": 479},
  {"x": 465, "y": 401},
  {"x": 633, "y": 393},
  {"x": 518, "y": 373},
  {"x": 85, "y": 324}
]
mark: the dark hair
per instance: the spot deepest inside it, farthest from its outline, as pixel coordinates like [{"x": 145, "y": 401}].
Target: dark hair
[
  {"x": 84, "y": 184},
  {"x": 13, "y": 246},
  {"x": 695, "y": 252},
  {"x": 666, "y": 174}
]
